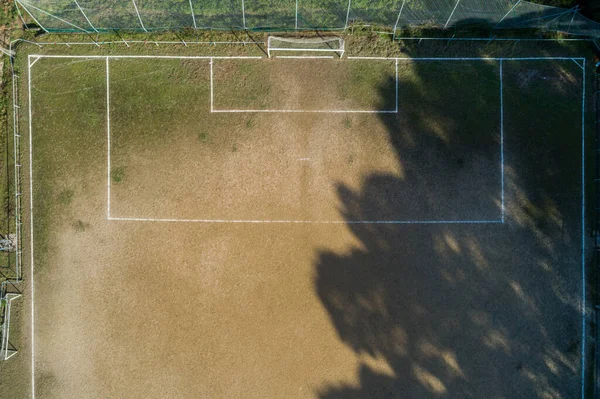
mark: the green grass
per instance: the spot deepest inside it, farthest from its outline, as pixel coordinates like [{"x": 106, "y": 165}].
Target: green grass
[{"x": 117, "y": 174}]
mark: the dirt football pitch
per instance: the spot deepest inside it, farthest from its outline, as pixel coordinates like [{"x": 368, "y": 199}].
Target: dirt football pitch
[{"x": 285, "y": 228}]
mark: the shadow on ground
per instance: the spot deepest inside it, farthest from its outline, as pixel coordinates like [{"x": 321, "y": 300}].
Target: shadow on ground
[{"x": 460, "y": 310}]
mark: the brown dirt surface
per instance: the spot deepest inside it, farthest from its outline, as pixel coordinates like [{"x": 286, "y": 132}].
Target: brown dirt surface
[{"x": 222, "y": 310}]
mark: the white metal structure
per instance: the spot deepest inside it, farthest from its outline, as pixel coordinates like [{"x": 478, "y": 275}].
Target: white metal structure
[
  {"x": 6, "y": 349},
  {"x": 307, "y": 44}
]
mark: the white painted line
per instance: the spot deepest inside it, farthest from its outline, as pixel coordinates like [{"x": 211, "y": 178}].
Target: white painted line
[
  {"x": 577, "y": 62},
  {"x": 108, "y": 137},
  {"x": 169, "y": 220},
  {"x": 502, "y": 139},
  {"x": 31, "y": 229},
  {"x": 211, "y": 87},
  {"x": 34, "y": 61},
  {"x": 465, "y": 59},
  {"x": 325, "y": 111},
  {"x": 583, "y": 279},
  {"x": 303, "y": 159},
  {"x": 327, "y": 50},
  {"x": 304, "y": 56},
  {"x": 397, "y": 86},
  {"x": 173, "y": 57}
]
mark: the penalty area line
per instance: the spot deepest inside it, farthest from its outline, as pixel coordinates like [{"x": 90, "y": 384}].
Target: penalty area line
[
  {"x": 171, "y": 220},
  {"x": 326, "y": 111}
]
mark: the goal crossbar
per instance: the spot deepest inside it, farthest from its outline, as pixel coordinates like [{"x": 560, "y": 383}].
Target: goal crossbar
[{"x": 313, "y": 44}]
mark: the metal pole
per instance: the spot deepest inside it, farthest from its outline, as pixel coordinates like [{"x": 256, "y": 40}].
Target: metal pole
[
  {"x": 451, "y": 14},
  {"x": 19, "y": 12},
  {"x": 244, "y": 14},
  {"x": 32, "y": 16},
  {"x": 193, "y": 15},
  {"x": 85, "y": 16},
  {"x": 398, "y": 19},
  {"x": 509, "y": 11},
  {"x": 574, "y": 13},
  {"x": 138, "y": 15},
  {"x": 296, "y": 14},
  {"x": 348, "y": 14}
]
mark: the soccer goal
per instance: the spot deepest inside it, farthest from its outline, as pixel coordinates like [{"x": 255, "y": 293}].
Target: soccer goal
[
  {"x": 334, "y": 45},
  {"x": 7, "y": 350}
]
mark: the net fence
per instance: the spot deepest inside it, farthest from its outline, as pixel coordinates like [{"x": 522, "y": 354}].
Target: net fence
[{"x": 151, "y": 15}]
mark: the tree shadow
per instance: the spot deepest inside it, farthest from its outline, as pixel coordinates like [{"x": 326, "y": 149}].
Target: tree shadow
[{"x": 461, "y": 310}]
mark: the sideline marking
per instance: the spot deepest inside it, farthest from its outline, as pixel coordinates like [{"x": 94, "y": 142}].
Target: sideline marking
[
  {"x": 583, "y": 280},
  {"x": 326, "y": 111},
  {"x": 169, "y": 57},
  {"x": 303, "y": 56},
  {"x": 502, "y": 139},
  {"x": 466, "y": 58},
  {"x": 108, "y": 136},
  {"x": 31, "y": 229},
  {"x": 169, "y": 220}
]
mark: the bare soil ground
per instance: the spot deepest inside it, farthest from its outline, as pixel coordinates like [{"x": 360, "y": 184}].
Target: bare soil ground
[{"x": 130, "y": 309}]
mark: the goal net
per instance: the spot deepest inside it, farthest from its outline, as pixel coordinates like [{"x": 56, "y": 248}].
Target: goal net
[{"x": 307, "y": 45}]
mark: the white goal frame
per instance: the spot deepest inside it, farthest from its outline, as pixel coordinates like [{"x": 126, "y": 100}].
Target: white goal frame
[{"x": 309, "y": 42}]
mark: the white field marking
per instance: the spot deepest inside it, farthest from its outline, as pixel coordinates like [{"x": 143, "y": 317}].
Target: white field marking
[
  {"x": 211, "y": 86},
  {"x": 326, "y": 111},
  {"x": 174, "y": 57},
  {"x": 466, "y": 58},
  {"x": 34, "y": 61},
  {"x": 502, "y": 139},
  {"x": 330, "y": 50},
  {"x": 31, "y": 230},
  {"x": 303, "y": 56},
  {"x": 495, "y": 39},
  {"x": 577, "y": 62},
  {"x": 397, "y": 86},
  {"x": 303, "y": 159},
  {"x": 108, "y": 137},
  {"x": 169, "y": 220},
  {"x": 583, "y": 280},
  {"x": 134, "y": 41}
]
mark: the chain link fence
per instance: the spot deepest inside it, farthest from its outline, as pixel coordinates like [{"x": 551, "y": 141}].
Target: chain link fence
[{"x": 93, "y": 16}]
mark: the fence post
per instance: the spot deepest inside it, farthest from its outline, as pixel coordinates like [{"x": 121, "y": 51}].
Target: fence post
[
  {"x": 193, "y": 15},
  {"x": 296, "y": 15},
  {"x": 85, "y": 16},
  {"x": 244, "y": 14},
  {"x": 398, "y": 19},
  {"x": 451, "y": 14},
  {"x": 347, "y": 14},
  {"x": 506, "y": 15},
  {"x": 575, "y": 9},
  {"x": 31, "y": 15},
  {"x": 138, "y": 15}
]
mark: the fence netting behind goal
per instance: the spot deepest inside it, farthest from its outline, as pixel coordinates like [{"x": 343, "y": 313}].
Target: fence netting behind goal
[{"x": 151, "y": 15}]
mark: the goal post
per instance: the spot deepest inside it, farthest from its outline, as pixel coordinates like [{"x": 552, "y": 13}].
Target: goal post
[
  {"x": 334, "y": 45},
  {"x": 7, "y": 350}
]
